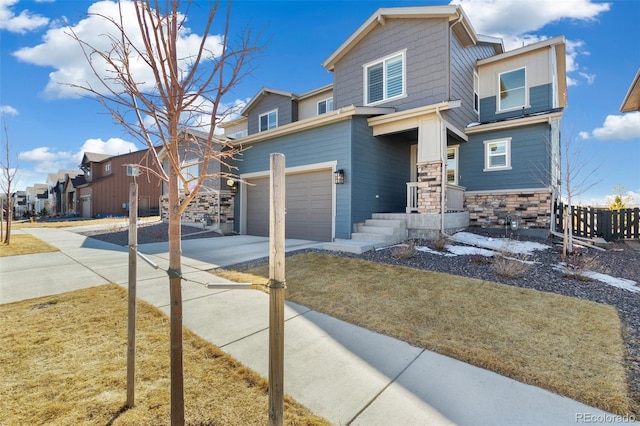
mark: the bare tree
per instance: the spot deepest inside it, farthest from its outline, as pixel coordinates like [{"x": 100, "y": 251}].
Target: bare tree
[
  {"x": 8, "y": 179},
  {"x": 185, "y": 93},
  {"x": 578, "y": 177}
]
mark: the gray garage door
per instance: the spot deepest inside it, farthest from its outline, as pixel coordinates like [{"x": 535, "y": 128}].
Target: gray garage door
[{"x": 308, "y": 206}]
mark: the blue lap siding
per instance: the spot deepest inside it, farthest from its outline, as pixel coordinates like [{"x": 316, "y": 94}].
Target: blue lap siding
[
  {"x": 373, "y": 166},
  {"x": 529, "y": 157}
]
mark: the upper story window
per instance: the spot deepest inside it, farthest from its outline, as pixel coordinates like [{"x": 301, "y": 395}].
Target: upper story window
[
  {"x": 513, "y": 89},
  {"x": 268, "y": 120},
  {"x": 476, "y": 92},
  {"x": 190, "y": 170},
  {"x": 107, "y": 168},
  {"x": 238, "y": 134},
  {"x": 385, "y": 79},
  {"x": 325, "y": 106},
  {"x": 497, "y": 154}
]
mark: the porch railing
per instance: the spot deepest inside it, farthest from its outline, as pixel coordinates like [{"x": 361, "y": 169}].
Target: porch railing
[
  {"x": 455, "y": 197},
  {"x": 412, "y": 197}
]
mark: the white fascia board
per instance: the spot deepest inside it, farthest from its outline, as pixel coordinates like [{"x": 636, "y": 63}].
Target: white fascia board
[
  {"x": 344, "y": 113},
  {"x": 516, "y": 122},
  {"x": 415, "y": 112},
  {"x": 233, "y": 122},
  {"x": 631, "y": 101},
  {"x": 326, "y": 88},
  {"x": 522, "y": 50}
]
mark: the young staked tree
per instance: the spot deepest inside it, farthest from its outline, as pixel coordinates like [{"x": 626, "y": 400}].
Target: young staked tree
[
  {"x": 8, "y": 179},
  {"x": 578, "y": 177},
  {"x": 153, "y": 81}
]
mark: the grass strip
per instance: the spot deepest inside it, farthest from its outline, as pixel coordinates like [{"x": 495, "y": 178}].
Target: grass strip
[
  {"x": 63, "y": 361},
  {"x": 566, "y": 345},
  {"x": 25, "y": 244}
]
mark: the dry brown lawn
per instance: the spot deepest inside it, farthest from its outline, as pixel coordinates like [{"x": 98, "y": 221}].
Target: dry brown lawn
[
  {"x": 25, "y": 244},
  {"x": 107, "y": 221},
  {"x": 63, "y": 362},
  {"x": 566, "y": 345}
]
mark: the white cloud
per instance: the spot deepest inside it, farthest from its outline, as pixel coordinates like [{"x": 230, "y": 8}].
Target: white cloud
[
  {"x": 584, "y": 135},
  {"x": 619, "y": 127},
  {"x": 61, "y": 52},
  {"x": 23, "y": 22},
  {"x": 8, "y": 110},
  {"x": 515, "y": 20},
  {"x": 521, "y": 17},
  {"x": 43, "y": 160}
]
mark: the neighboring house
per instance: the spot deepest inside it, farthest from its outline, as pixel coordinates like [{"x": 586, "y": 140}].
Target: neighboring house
[
  {"x": 631, "y": 102},
  {"x": 214, "y": 204},
  {"x": 37, "y": 196},
  {"x": 55, "y": 183},
  {"x": 71, "y": 203},
  {"x": 426, "y": 121},
  {"x": 19, "y": 204},
  {"x": 105, "y": 190}
]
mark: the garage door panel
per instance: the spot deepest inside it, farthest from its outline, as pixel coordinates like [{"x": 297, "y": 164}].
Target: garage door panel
[{"x": 308, "y": 206}]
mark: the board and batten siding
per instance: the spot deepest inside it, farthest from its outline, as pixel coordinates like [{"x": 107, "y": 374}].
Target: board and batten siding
[
  {"x": 427, "y": 58},
  {"x": 319, "y": 145},
  {"x": 529, "y": 157},
  {"x": 271, "y": 101},
  {"x": 381, "y": 169}
]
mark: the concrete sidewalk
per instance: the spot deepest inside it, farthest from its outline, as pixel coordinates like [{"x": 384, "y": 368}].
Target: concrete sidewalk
[{"x": 344, "y": 373}]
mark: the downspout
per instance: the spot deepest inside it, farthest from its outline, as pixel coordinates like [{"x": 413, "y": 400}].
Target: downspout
[{"x": 444, "y": 175}]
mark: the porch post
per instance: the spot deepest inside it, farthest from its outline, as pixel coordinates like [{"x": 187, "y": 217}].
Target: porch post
[{"x": 431, "y": 146}]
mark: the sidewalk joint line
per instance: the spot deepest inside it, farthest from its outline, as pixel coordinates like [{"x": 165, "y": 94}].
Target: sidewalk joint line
[{"x": 368, "y": 404}]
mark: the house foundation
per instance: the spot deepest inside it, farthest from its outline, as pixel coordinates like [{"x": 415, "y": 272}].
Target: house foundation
[
  {"x": 427, "y": 225},
  {"x": 526, "y": 210},
  {"x": 210, "y": 210}
]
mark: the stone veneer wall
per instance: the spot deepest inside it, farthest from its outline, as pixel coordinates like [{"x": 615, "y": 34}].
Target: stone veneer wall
[
  {"x": 533, "y": 209},
  {"x": 205, "y": 204},
  {"x": 429, "y": 187}
]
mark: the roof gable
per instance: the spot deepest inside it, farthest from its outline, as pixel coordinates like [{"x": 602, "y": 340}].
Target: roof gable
[
  {"x": 453, "y": 13},
  {"x": 265, "y": 91},
  {"x": 632, "y": 100}
]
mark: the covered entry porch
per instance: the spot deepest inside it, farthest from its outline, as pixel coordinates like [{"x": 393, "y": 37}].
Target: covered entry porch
[{"x": 433, "y": 186}]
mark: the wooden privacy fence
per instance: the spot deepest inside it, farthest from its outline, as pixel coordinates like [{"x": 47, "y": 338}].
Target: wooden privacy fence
[{"x": 592, "y": 222}]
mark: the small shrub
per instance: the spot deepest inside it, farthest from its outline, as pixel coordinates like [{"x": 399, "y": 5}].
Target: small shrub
[
  {"x": 510, "y": 267},
  {"x": 441, "y": 242},
  {"x": 576, "y": 266},
  {"x": 479, "y": 259},
  {"x": 404, "y": 251}
]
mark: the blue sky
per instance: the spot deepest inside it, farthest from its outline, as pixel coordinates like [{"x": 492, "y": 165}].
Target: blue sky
[{"x": 48, "y": 130}]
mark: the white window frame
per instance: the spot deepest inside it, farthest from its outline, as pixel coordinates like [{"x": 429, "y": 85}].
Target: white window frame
[
  {"x": 267, "y": 114},
  {"x": 456, "y": 167},
  {"x": 476, "y": 93},
  {"x": 488, "y": 155},
  {"x": 526, "y": 91},
  {"x": 185, "y": 168},
  {"x": 383, "y": 61},
  {"x": 326, "y": 103}
]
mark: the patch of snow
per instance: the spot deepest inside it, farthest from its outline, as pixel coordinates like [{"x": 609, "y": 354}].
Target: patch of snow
[
  {"x": 432, "y": 251},
  {"x": 498, "y": 244},
  {"x": 622, "y": 283},
  {"x": 470, "y": 251}
]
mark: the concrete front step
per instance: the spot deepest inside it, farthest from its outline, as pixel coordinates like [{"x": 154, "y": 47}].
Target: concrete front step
[
  {"x": 396, "y": 223},
  {"x": 384, "y": 230}
]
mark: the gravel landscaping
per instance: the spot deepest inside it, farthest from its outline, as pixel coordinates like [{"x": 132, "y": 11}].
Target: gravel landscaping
[{"x": 620, "y": 260}]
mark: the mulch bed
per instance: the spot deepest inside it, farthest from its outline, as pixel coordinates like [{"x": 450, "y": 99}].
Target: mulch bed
[{"x": 148, "y": 233}]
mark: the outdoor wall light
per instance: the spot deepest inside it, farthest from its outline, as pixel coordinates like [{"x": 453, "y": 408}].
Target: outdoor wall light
[
  {"x": 338, "y": 177},
  {"x": 232, "y": 185}
]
